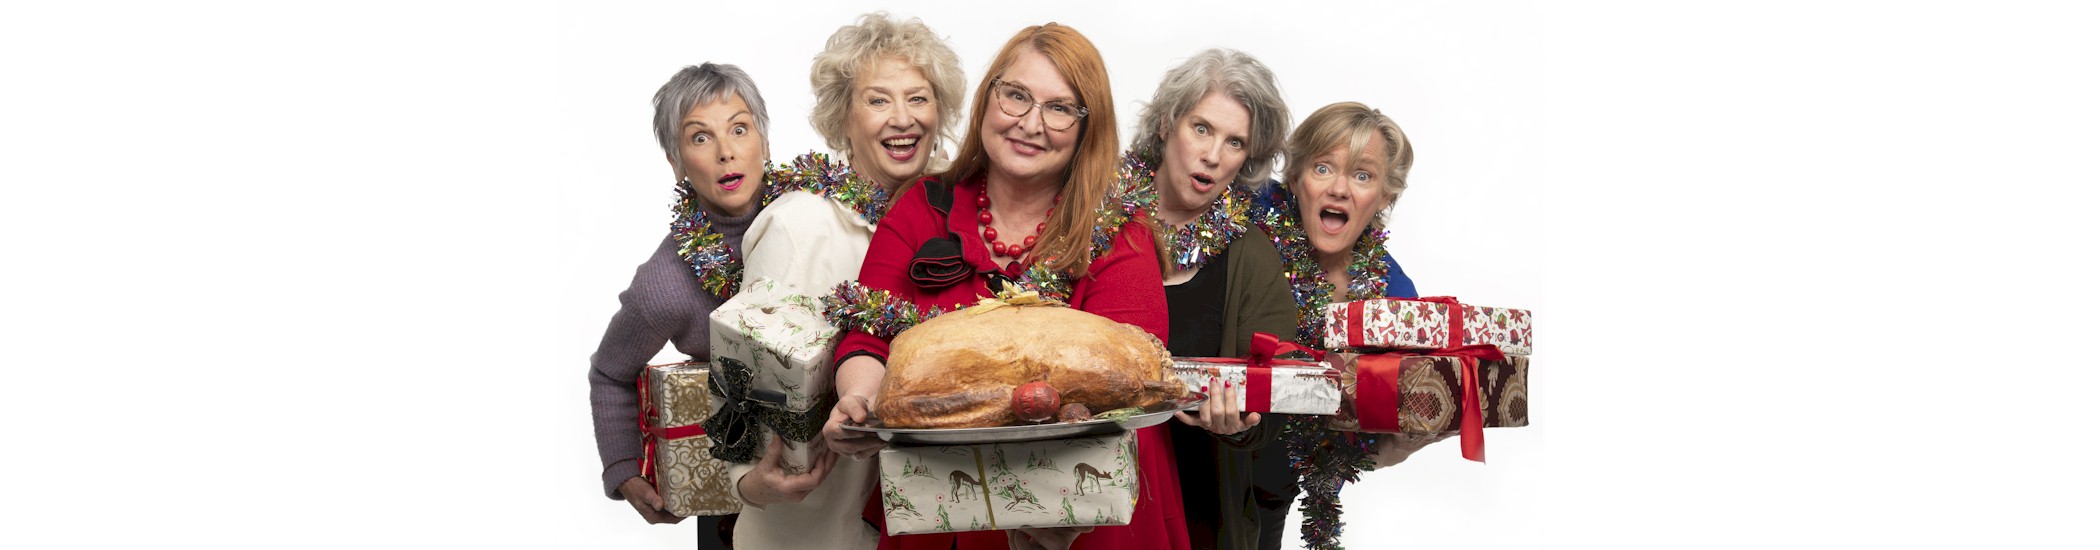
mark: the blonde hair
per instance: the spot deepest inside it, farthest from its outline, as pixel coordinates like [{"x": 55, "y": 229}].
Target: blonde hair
[
  {"x": 1351, "y": 123},
  {"x": 855, "y": 48},
  {"x": 1067, "y": 238}
]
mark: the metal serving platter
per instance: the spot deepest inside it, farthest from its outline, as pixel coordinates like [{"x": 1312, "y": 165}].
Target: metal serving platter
[{"x": 1010, "y": 434}]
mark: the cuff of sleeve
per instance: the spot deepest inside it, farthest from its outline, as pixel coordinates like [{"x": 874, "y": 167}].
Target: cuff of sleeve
[
  {"x": 737, "y": 471},
  {"x": 853, "y": 354},
  {"x": 618, "y": 473}
]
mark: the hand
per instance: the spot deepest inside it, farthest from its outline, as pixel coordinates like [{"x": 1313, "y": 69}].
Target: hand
[
  {"x": 646, "y": 502},
  {"x": 850, "y": 409},
  {"x": 1393, "y": 448},
  {"x": 770, "y": 484},
  {"x": 1221, "y": 413},
  {"x": 1054, "y": 538}
]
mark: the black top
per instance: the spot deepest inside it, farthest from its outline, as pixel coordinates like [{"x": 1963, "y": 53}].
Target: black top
[
  {"x": 1195, "y": 328},
  {"x": 1196, "y": 312}
]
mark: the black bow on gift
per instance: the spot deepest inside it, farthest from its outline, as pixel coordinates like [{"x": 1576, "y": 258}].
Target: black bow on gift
[{"x": 734, "y": 427}]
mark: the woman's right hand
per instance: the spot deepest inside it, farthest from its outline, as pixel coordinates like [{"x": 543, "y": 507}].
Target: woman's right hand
[
  {"x": 858, "y": 380},
  {"x": 646, "y": 502},
  {"x": 770, "y": 483}
]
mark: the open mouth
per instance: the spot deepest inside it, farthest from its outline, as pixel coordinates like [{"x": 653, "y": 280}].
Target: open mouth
[
  {"x": 1203, "y": 182},
  {"x": 731, "y": 181},
  {"x": 1333, "y": 219},
  {"x": 901, "y": 148}
]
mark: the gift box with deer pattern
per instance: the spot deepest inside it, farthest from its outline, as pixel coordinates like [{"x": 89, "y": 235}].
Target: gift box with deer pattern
[{"x": 1071, "y": 482}]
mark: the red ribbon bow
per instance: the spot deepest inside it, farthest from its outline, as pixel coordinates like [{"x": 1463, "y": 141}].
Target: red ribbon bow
[
  {"x": 651, "y": 433},
  {"x": 1383, "y": 371},
  {"x": 1261, "y": 356}
]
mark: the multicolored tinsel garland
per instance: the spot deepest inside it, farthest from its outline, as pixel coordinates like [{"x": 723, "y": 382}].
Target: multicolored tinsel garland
[
  {"x": 719, "y": 267},
  {"x": 1324, "y": 459},
  {"x": 1309, "y": 284},
  {"x": 816, "y": 173},
  {"x": 1188, "y": 246},
  {"x": 853, "y": 306}
]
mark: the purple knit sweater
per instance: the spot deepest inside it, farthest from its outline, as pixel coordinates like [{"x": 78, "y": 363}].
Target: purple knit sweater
[{"x": 663, "y": 304}]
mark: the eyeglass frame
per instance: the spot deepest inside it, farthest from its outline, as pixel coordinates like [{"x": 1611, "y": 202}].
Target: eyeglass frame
[{"x": 1033, "y": 106}]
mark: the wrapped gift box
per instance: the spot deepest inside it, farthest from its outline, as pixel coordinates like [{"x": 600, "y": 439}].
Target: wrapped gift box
[
  {"x": 778, "y": 339},
  {"x": 1291, "y": 387},
  {"x": 1429, "y": 392},
  {"x": 678, "y": 461},
  {"x": 1055, "y": 483},
  {"x": 1402, "y": 323}
]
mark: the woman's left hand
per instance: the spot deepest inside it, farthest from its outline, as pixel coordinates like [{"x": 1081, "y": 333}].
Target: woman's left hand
[{"x": 1221, "y": 413}]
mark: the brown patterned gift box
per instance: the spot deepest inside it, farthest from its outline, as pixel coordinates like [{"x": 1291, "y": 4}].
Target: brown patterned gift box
[
  {"x": 1072, "y": 482},
  {"x": 1425, "y": 324},
  {"x": 676, "y": 460},
  {"x": 1425, "y": 394}
]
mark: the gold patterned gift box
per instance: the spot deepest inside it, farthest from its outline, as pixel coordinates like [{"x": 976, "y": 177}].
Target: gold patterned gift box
[
  {"x": 676, "y": 458},
  {"x": 1072, "y": 482},
  {"x": 1425, "y": 324},
  {"x": 775, "y": 346}
]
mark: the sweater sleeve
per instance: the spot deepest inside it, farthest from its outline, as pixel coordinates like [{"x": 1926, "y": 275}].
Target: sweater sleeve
[
  {"x": 888, "y": 261},
  {"x": 1125, "y": 285},
  {"x": 629, "y": 342}
]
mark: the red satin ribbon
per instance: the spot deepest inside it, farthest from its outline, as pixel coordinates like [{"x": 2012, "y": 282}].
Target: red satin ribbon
[
  {"x": 650, "y": 433},
  {"x": 1383, "y": 371},
  {"x": 1261, "y": 356}
]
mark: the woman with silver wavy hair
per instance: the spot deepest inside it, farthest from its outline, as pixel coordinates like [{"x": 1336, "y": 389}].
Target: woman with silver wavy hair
[{"x": 1212, "y": 132}]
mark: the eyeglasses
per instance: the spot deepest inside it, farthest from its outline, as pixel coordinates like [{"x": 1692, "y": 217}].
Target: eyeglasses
[{"x": 1015, "y": 101}]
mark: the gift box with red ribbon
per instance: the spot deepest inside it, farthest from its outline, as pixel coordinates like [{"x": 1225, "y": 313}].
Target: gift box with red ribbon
[
  {"x": 1428, "y": 394},
  {"x": 1425, "y": 323},
  {"x": 1266, "y": 384},
  {"x": 676, "y": 457}
]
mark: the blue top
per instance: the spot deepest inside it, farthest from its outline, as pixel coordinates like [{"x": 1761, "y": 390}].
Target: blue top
[{"x": 1397, "y": 285}]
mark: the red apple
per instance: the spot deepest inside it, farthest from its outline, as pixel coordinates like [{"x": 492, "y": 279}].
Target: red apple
[{"x": 1035, "y": 402}]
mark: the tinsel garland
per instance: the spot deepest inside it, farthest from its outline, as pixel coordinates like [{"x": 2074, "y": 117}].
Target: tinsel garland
[
  {"x": 1191, "y": 245},
  {"x": 719, "y": 268},
  {"x": 853, "y": 306},
  {"x": 1324, "y": 459}
]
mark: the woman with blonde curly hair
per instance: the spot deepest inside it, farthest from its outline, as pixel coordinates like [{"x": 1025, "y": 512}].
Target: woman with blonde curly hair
[{"x": 888, "y": 95}]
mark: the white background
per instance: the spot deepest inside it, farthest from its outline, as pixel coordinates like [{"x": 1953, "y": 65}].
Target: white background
[{"x": 329, "y": 276}]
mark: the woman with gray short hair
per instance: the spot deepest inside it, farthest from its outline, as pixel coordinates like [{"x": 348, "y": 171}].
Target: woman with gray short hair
[{"x": 712, "y": 126}]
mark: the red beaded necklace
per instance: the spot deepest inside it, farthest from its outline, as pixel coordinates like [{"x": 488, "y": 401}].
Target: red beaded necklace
[{"x": 1015, "y": 251}]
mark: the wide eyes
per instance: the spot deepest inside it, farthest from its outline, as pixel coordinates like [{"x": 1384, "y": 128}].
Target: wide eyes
[
  {"x": 740, "y": 130},
  {"x": 1236, "y": 144},
  {"x": 702, "y": 138},
  {"x": 1322, "y": 169}
]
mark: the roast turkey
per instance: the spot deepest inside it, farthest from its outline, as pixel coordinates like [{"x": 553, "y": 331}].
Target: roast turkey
[{"x": 959, "y": 370}]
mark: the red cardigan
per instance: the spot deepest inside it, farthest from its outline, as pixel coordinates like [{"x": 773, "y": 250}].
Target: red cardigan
[{"x": 1123, "y": 285}]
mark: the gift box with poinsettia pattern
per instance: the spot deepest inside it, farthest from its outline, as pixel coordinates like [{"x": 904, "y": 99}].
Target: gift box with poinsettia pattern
[
  {"x": 775, "y": 340},
  {"x": 1073, "y": 482},
  {"x": 1425, "y": 324},
  {"x": 676, "y": 457}
]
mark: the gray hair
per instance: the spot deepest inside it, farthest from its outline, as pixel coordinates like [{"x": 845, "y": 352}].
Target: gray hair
[
  {"x": 876, "y": 36},
  {"x": 1242, "y": 78},
  {"x": 707, "y": 83}
]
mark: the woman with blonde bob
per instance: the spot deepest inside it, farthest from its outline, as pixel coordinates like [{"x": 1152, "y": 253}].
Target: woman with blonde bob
[
  {"x": 888, "y": 94},
  {"x": 1026, "y": 202},
  {"x": 1347, "y": 164}
]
